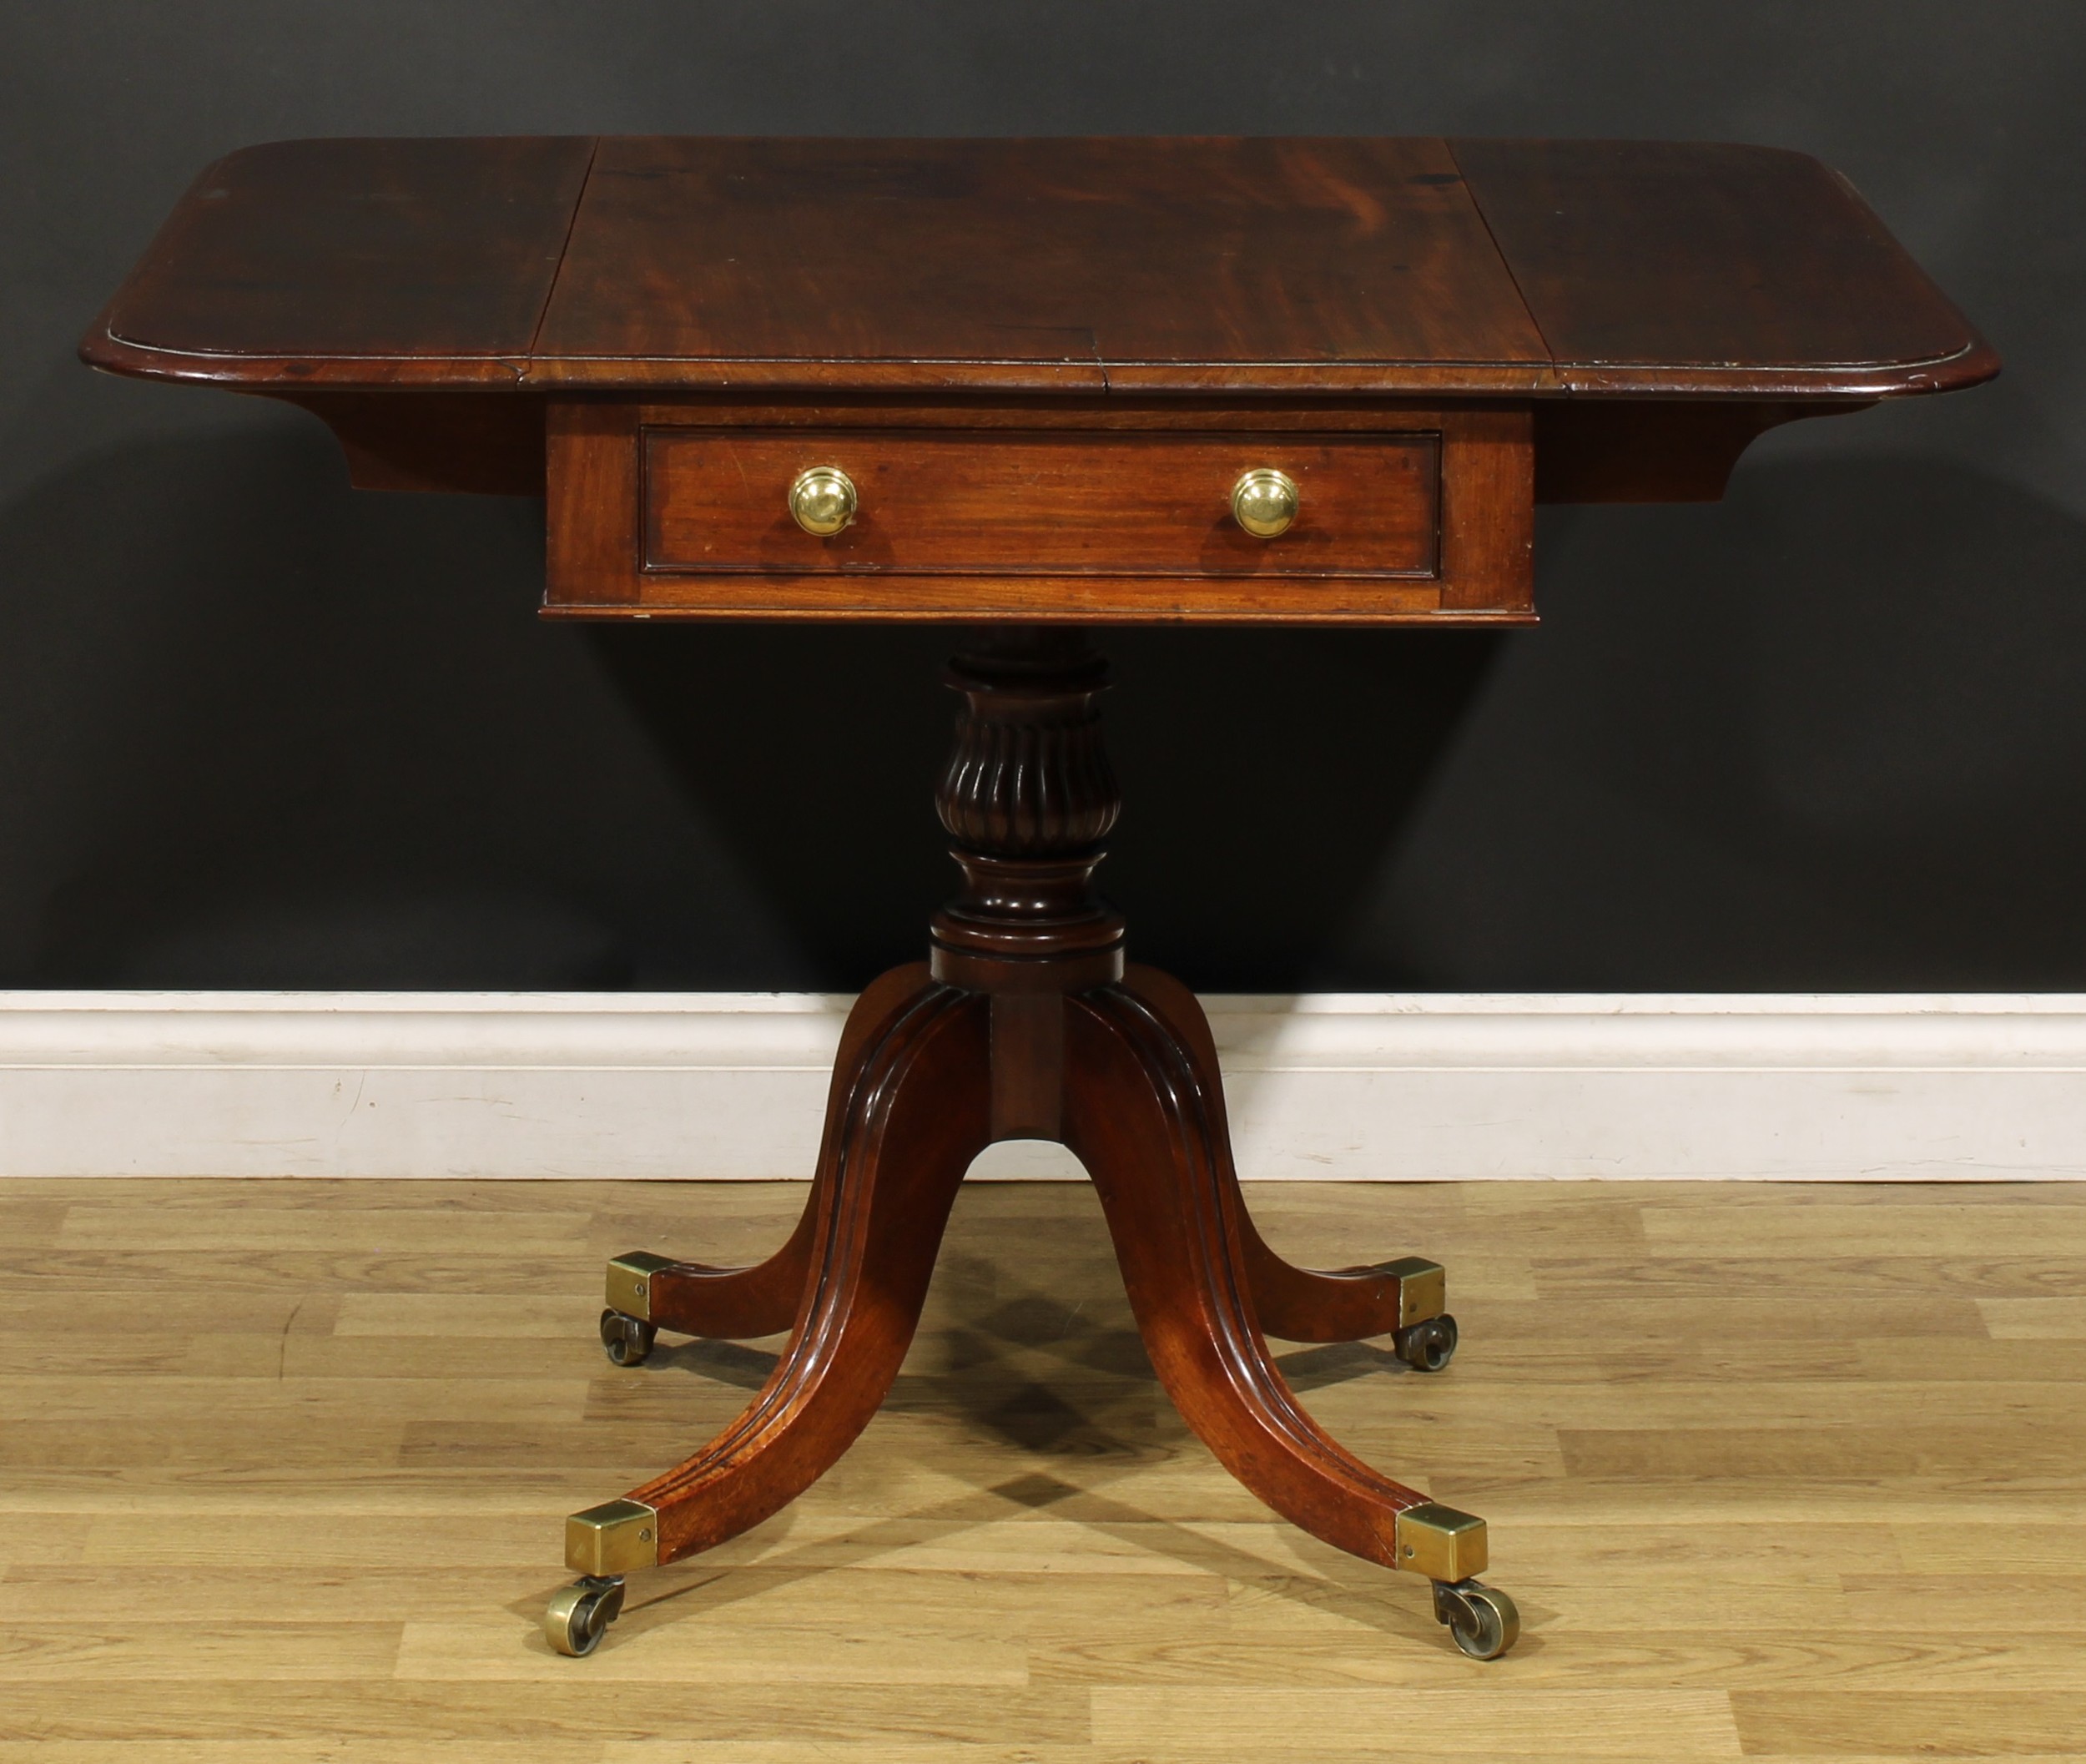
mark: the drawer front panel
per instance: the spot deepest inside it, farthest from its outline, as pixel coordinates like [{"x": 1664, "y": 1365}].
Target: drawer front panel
[
  {"x": 1037, "y": 503},
  {"x": 1096, "y": 511}
]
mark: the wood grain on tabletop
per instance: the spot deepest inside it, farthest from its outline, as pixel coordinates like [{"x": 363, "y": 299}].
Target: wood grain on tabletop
[
  {"x": 443, "y": 250},
  {"x": 1776, "y": 1472},
  {"x": 1649, "y": 263},
  {"x": 1075, "y": 254},
  {"x": 1703, "y": 292},
  {"x": 1117, "y": 265}
]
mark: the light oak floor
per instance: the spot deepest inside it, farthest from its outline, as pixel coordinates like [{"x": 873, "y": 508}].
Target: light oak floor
[{"x": 1773, "y": 1472}]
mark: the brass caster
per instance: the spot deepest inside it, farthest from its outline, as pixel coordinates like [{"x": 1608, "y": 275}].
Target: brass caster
[
  {"x": 581, "y": 1614},
  {"x": 625, "y": 1340},
  {"x": 1483, "y": 1619},
  {"x": 1427, "y": 1346}
]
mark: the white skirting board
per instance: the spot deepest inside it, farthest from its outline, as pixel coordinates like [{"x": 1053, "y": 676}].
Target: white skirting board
[{"x": 1410, "y": 1086}]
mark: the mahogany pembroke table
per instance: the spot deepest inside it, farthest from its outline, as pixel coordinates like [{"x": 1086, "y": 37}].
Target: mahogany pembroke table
[{"x": 1029, "y": 388}]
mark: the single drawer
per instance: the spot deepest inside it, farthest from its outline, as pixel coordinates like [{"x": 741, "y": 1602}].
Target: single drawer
[
  {"x": 1097, "y": 511},
  {"x": 1025, "y": 503}
]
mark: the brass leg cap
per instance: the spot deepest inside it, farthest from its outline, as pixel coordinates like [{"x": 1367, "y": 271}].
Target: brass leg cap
[
  {"x": 615, "y": 1538},
  {"x": 1441, "y": 1543},
  {"x": 1423, "y": 1289},
  {"x": 629, "y": 1284}
]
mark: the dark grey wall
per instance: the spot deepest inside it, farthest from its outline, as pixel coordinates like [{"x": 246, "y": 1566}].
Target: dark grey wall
[{"x": 257, "y": 730}]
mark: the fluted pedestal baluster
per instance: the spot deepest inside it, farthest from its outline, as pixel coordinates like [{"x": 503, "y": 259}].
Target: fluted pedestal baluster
[{"x": 1028, "y": 797}]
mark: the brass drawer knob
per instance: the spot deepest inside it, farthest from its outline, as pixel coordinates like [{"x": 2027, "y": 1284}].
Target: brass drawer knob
[
  {"x": 1264, "y": 502},
  {"x": 822, "y": 500}
]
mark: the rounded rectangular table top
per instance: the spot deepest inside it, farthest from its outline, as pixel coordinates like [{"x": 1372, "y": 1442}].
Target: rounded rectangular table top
[{"x": 1149, "y": 265}]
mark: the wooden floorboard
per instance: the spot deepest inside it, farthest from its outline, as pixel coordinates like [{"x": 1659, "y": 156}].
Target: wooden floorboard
[{"x": 1777, "y": 1472}]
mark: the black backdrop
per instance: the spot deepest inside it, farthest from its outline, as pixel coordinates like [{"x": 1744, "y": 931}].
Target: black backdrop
[{"x": 257, "y": 730}]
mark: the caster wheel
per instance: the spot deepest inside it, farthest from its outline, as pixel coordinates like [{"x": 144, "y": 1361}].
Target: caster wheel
[
  {"x": 580, "y": 1615},
  {"x": 1428, "y": 1346},
  {"x": 625, "y": 1340},
  {"x": 1482, "y": 1619}
]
